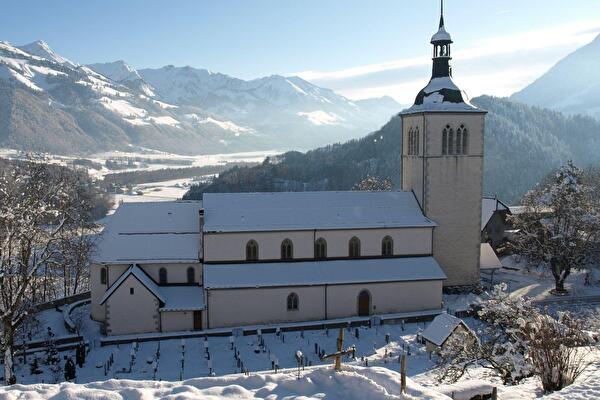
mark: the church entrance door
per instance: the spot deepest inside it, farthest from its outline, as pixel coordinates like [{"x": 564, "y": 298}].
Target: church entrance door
[
  {"x": 364, "y": 303},
  {"x": 197, "y": 320}
]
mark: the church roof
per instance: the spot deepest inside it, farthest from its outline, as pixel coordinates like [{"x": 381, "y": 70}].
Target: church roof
[
  {"x": 441, "y": 94},
  {"x": 281, "y": 211},
  {"x": 153, "y": 232},
  {"x": 319, "y": 272},
  {"x": 441, "y": 36}
]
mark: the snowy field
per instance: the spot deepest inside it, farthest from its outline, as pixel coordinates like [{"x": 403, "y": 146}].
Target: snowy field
[{"x": 210, "y": 367}]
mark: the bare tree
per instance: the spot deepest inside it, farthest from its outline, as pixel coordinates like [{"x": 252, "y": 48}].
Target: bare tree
[
  {"x": 39, "y": 204},
  {"x": 560, "y": 225}
]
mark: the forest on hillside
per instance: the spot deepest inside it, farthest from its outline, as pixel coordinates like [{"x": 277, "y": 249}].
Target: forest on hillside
[{"x": 522, "y": 145}]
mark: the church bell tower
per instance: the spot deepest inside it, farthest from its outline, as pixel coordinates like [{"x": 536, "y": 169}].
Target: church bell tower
[{"x": 442, "y": 164}]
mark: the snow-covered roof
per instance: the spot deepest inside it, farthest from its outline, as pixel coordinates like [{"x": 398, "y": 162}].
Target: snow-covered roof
[
  {"x": 157, "y": 217},
  {"x": 182, "y": 298},
  {"x": 141, "y": 276},
  {"x": 441, "y": 36},
  {"x": 172, "y": 298},
  {"x": 246, "y": 212},
  {"x": 441, "y": 328},
  {"x": 152, "y": 232},
  {"x": 489, "y": 205},
  {"x": 488, "y": 258},
  {"x": 331, "y": 272},
  {"x": 148, "y": 248},
  {"x": 441, "y": 94}
]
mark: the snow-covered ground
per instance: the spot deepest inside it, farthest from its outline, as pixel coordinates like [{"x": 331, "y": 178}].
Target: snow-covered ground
[{"x": 154, "y": 368}]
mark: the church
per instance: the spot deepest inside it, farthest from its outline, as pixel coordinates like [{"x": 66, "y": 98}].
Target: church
[{"x": 240, "y": 259}]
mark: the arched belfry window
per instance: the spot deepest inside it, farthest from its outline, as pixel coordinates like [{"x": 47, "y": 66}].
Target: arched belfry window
[
  {"x": 162, "y": 276},
  {"x": 293, "y": 302},
  {"x": 409, "y": 144},
  {"x": 354, "y": 247},
  {"x": 450, "y": 141},
  {"x": 416, "y": 142},
  {"x": 103, "y": 276},
  {"x": 252, "y": 250},
  {"x": 320, "y": 249},
  {"x": 287, "y": 250},
  {"x": 445, "y": 140},
  {"x": 459, "y": 141},
  {"x": 387, "y": 247},
  {"x": 191, "y": 275},
  {"x": 465, "y": 140}
]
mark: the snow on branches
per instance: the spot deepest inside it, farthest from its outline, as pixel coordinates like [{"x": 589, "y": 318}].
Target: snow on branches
[
  {"x": 518, "y": 341},
  {"x": 560, "y": 225}
]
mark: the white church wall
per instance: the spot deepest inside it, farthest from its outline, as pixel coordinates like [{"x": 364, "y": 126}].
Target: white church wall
[
  {"x": 386, "y": 298},
  {"x": 173, "y": 321},
  {"x": 232, "y": 246},
  {"x": 266, "y": 305},
  {"x": 407, "y": 241},
  {"x": 98, "y": 289},
  {"x": 412, "y": 166},
  {"x": 176, "y": 273},
  {"x": 453, "y": 197},
  {"x": 132, "y": 313}
]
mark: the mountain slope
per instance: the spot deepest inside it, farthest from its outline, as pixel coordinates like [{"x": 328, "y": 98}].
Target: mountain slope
[
  {"x": 52, "y": 104},
  {"x": 522, "y": 144},
  {"x": 571, "y": 86}
]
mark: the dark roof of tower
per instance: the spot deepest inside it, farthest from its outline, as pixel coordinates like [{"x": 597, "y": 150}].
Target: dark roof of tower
[{"x": 441, "y": 93}]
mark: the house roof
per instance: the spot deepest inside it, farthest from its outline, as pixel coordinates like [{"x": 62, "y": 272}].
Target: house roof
[
  {"x": 182, "y": 298},
  {"x": 138, "y": 274},
  {"x": 152, "y": 232},
  {"x": 331, "y": 272},
  {"x": 172, "y": 298},
  {"x": 247, "y": 212},
  {"x": 440, "y": 329},
  {"x": 489, "y": 205},
  {"x": 488, "y": 258}
]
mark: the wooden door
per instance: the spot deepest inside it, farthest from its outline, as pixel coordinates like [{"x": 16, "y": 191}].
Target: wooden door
[
  {"x": 364, "y": 304},
  {"x": 197, "y": 320}
]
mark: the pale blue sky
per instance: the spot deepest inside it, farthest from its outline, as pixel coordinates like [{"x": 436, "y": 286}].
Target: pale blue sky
[{"x": 359, "y": 48}]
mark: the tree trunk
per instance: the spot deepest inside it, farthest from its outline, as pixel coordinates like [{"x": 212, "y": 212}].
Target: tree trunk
[
  {"x": 7, "y": 341},
  {"x": 560, "y": 274}
]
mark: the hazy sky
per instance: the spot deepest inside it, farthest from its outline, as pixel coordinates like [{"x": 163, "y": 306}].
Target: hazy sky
[{"x": 361, "y": 48}]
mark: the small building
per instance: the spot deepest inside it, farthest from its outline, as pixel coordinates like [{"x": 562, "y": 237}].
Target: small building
[
  {"x": 493, "y": 221},
  {"x": 441, "y": 329}
]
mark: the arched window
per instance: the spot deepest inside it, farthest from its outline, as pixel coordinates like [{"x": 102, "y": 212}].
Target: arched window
[
  {"x": 465, "y": 141},
  {"x": 191, "y": 275},
  {"x": 292, "y": 302},
  {"x": 445, "y": 141},
  {"x": 354, "y": 247},
  {"x": 252, "y": 250},
  {"x": 410, "y": 140},
  {"x": 162, "y": 276},
  {"x": 459, "y": 141},
  {"x": 287, "y": 250},
  {"x": 320, "y": 249},
  {"x": 103, "y": 276},
  {"x": 387, "y": 247},
  {"x": 416, "y": 142},
  {"x": 450, "y": 141}
]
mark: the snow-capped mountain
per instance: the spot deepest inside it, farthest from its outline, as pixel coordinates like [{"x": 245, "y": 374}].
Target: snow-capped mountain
[
  {"x": 571, "y": 86},
  {"x": 56, "y": 105}
]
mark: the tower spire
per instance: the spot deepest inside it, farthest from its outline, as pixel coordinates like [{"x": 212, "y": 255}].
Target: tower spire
[{"x": 441, "y": 13}]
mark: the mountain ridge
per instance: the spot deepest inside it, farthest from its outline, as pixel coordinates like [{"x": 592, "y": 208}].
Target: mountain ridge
[{"x": 176, "y": 109}]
